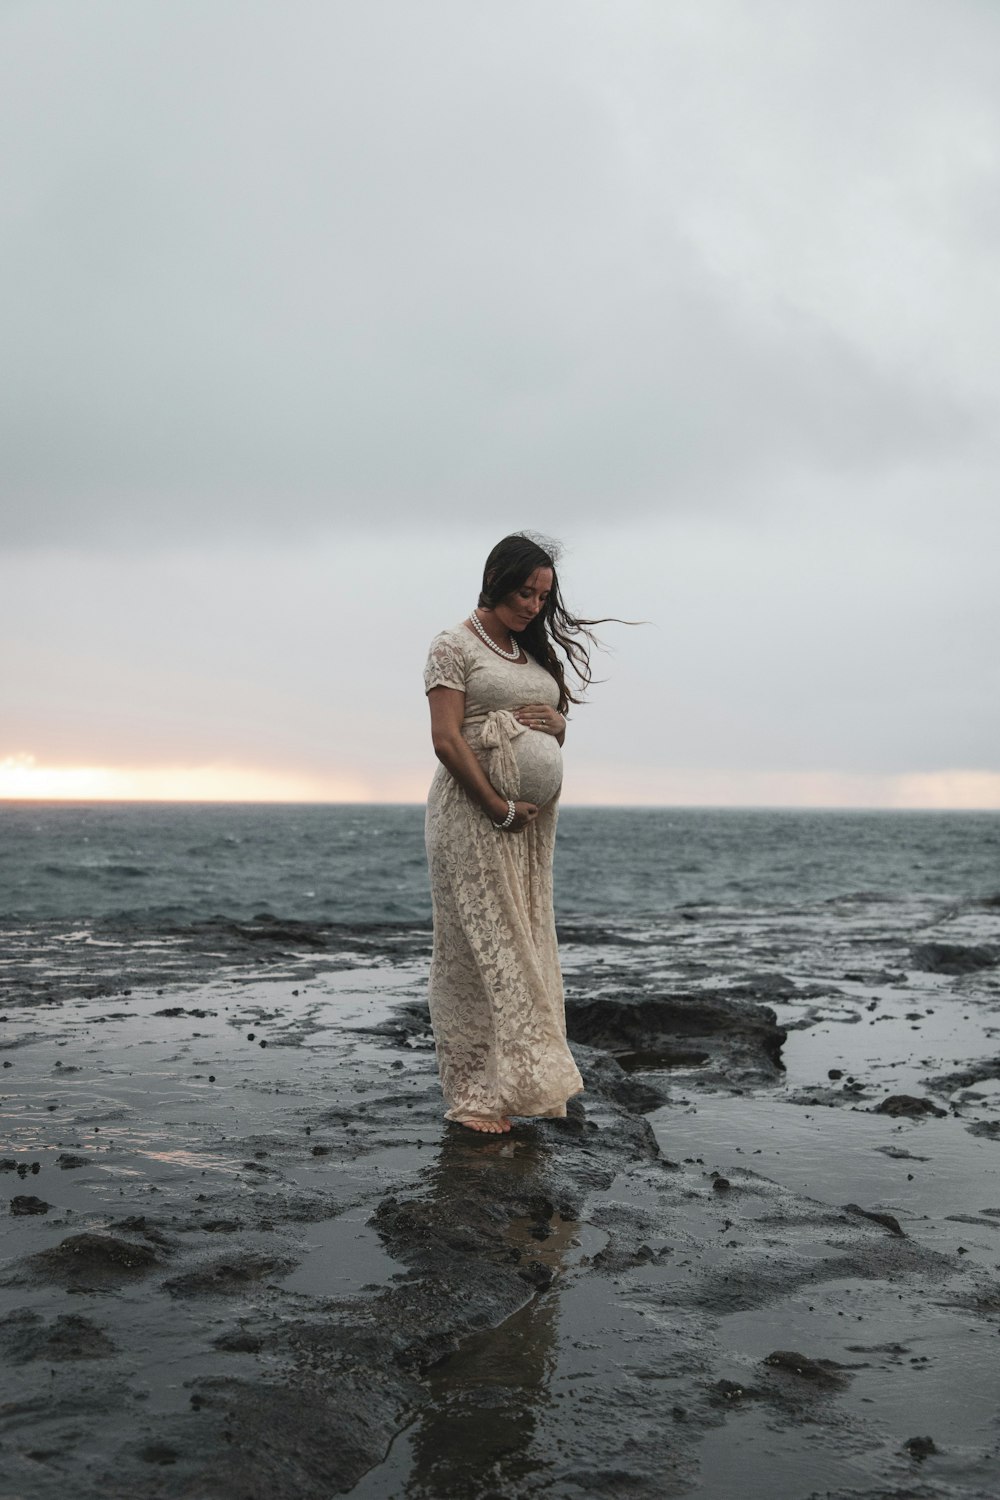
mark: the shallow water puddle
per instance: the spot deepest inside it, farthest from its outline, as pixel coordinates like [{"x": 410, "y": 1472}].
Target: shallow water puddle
[
  {"x": 796, "y": 1146},
  {"x": 342, "y": 1257},
  {"x": 521, "y": 1407},
  {"x": 907, "y": 1372},
  {"x": 474, "y": 1435},
  {"x": 892, "y": 1048}
]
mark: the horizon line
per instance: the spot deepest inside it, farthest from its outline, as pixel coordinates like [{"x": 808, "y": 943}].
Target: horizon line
[{"x": 804, "y": 807}]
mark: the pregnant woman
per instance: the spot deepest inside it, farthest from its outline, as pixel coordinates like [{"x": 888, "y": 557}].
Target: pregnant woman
[{"x": 498, "y": 696}]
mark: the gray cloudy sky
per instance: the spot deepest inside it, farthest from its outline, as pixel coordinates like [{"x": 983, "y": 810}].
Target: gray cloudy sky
[{"x": 303, "y": 305}]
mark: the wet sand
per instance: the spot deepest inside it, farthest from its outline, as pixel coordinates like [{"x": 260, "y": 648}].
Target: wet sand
[{"x": 245, "y": 1256}]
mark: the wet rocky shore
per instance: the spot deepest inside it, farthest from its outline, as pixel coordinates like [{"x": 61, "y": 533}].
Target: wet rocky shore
[{"x": 244, "y": 1255}]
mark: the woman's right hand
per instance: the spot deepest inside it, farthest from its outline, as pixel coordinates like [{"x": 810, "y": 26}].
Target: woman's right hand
[{"x": 524, "y": 813}]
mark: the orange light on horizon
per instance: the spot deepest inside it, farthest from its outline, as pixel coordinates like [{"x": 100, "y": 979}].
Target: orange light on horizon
[
  {"x": 654, "y": 786},
  {"x": 23, "y": 779}
]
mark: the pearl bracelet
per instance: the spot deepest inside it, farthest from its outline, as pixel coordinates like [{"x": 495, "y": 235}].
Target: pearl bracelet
[{"x": 508, "y": 820}]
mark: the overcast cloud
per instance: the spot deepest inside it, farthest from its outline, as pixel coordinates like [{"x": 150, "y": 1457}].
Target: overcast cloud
[{"x": 304, "y": 304}]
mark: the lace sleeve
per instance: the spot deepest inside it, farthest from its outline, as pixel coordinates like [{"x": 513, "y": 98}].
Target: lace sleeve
[{"x": 445, "y": 665}]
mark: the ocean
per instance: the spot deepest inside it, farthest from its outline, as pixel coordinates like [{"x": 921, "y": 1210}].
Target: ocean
[
  {"x": 109, "y": 896},
  {"x": 161, "y": 865}
]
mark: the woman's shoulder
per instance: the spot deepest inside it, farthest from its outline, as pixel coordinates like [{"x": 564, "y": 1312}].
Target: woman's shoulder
[
  {"x": 448, "y": 660},
  {"x": 453, "y": 634}
]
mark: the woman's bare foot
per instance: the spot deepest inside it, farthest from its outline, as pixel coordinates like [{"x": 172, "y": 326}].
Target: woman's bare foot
[{"x": 492, "y": 1127}]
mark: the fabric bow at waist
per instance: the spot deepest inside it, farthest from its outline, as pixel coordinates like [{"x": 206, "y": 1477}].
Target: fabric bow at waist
[{"x": 495, "y": 733}]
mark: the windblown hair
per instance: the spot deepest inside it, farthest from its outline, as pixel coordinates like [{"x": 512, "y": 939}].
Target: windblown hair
[{"x": 511, "y": 564}]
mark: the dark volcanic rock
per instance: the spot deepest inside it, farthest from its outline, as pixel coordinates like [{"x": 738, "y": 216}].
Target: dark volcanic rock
[
  {"x": 921, "y": 1447},
  {"x": 233, "y": 1274},
  {"x": 589, "y": 934},
  {"x": 141, "y": 1224},
  {"x": 906, "y": 1104},
  {"x": 825, "y": 1373},
  {"x": 28, "y": 1205},
  {"x": 410, "y": 1019},
  {"x": 738, "y": 1038},
  {"x": 537, "y": 1275},
  {"x": 663, "y": 1057},
  {"x": 239, "y": 1341},
  {"x": 888, "y": 1220},
  {"x": 963, "y": 1078},
  {"x": 416, "y": 1224},
  {"x": 295, "y": 1206},
  {"x": 268, "y": 929},
  {"x": 25, "y": 1336},
  {"x": 726, "y": 1392},
  {"x": 769, "y": 986},
  {"x": 88, "y": 1259},
  {"x": 605, "y": 1075},
  {"x": 952, "y": 958},
  {"x": 286, "y": 1442},
  {"x": 67, "y": 1159}
]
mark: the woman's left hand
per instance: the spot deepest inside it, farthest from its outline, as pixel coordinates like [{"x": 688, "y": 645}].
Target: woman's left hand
[{"x": 540, "y": 716}]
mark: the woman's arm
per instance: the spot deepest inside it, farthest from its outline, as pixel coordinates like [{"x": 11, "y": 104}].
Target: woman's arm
[{"x": 455, "y": 754}]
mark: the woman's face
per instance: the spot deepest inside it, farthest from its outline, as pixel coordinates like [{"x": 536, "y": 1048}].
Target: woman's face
[{"x": 518, "y": 610}]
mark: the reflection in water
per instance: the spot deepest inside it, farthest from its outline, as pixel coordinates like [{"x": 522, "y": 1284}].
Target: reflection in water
[{"x": 474, "y": 1437}]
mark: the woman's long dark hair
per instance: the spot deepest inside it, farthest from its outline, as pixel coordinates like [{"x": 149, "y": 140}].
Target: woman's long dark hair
[{"x": 508, "y": 567}]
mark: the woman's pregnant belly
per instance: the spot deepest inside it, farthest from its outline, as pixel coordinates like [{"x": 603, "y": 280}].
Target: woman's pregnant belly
[{"x": 539, "y": 762}]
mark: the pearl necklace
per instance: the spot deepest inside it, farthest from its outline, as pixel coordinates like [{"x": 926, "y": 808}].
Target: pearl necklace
[{"x": 481, "y": 632}]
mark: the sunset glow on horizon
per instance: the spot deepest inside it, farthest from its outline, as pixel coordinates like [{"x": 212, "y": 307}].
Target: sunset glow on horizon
[{"x": 23, "y": 779}]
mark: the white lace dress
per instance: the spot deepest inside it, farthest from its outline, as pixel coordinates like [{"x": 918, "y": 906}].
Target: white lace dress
[{"x": 496, "y": 994}]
